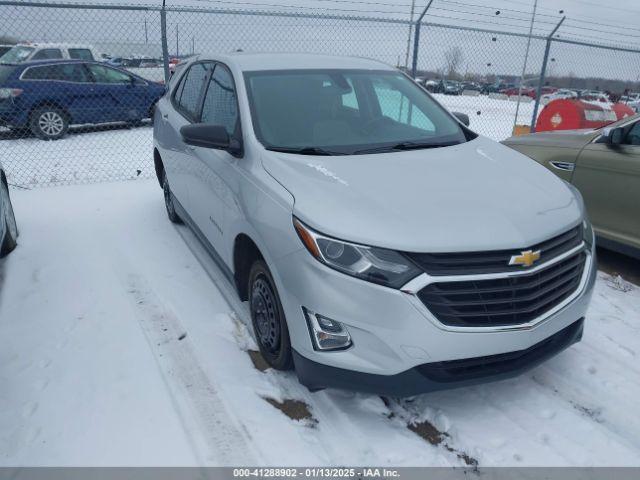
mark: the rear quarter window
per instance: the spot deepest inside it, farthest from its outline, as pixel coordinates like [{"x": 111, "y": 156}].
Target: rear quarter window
[
  {"x": 67, "y": 72},
  {"x": 81, "y": 54}
]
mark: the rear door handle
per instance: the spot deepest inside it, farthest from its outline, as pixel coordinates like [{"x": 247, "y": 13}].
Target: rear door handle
[
  {"x": 564, "y": 166},
  {"x": 165, "y": 116}
]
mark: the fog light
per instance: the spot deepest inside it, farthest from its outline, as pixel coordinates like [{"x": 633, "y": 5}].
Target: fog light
[{"x": 327, "y": 334}]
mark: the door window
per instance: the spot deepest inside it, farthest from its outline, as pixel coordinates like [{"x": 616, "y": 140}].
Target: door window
[
  {"x": 70, "y": 72},
  {"x": 81, "y": 54},
  {"x": 220, "y": 104},
  {"x": 47, "y": 54},
  {"x": 192, "y": 88},
  {"x": 102, "y": 74},
  {"x": 633, "y": 136}
]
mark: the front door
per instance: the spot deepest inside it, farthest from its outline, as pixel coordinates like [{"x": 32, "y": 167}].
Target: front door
[
  {"x": 608, "y": 176},
  {"x": 180, "y": 159},
  {"x": 123, "y": 96}
]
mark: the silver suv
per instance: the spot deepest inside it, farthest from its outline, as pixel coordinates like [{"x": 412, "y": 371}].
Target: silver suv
[{"x": 381, "y": 244}]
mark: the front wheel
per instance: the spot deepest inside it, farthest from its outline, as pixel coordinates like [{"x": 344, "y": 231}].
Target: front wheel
[
  {"x": 267, "y": 316},
  {"x": 9, "y": 241},
  {"x": 49, "y": 123}
]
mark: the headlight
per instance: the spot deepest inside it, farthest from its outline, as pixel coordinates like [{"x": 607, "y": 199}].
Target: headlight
[{"x": 377, "y": 265}]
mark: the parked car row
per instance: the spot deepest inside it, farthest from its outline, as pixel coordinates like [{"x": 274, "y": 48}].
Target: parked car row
[{"x": 48, "y": 96}]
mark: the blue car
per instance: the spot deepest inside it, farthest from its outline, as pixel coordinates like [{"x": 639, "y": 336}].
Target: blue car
[{"x": 48, "y": 96}]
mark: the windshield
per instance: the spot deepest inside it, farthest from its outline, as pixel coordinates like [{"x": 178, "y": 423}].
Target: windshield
[
  {"x": 16, "y": 54},
  {"x": 346, "y": 112}
]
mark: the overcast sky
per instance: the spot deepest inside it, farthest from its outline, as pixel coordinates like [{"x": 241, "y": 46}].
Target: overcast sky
[{"x": 125, "y": 33}]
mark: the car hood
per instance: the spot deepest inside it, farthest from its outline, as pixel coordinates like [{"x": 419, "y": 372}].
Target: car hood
[
  {"x": 556, "y": 138},
  {"x": 479, "y": 195}
]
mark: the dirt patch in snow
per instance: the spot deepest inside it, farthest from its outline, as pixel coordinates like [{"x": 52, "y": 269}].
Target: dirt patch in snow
[
  {"x": 258, "y": 360},
  {"x": 435, "y": 437},
  {"x": 427, "y": 431},
  {"x": 294, "y": 409}
]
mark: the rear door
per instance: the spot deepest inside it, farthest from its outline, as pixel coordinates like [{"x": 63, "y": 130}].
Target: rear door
[
  {"x": 184, "y": 109},
  {"x": 609, "y": 179},
  {"x": 212, "y": 198},
  {"x": 68, "y": 84}
]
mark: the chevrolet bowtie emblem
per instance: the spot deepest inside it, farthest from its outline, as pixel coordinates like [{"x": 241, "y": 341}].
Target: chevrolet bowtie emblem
[{"x": 525, "y": 259}]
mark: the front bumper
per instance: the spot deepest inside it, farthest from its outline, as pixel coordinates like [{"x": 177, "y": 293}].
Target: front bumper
[
  {"x": 397, "y": 343},
  {"x": 431, "y": 377}
]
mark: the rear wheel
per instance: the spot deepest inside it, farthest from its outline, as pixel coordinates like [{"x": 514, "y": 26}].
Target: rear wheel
[
  {"x": 267, "y": 316},
  {"x": 169, "y": 201},
  {"x": 49, "y": 123},
  {"x": 9, "y": 241}
]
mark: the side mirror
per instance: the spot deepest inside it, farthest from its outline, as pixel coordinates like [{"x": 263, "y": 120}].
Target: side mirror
[
  {"x": 210, "y": 136},
  {"x": 615, "y": 136},
  {"x": 462, "y": 117}
]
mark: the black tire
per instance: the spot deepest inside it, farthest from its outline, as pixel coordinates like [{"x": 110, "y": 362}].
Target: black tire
[
  {"x": 49, "y": 122},
  {"x": 169, "y": 201},
  {"x": 10, "y": 239},
  {"x": 267, "y": 316},
  {"x": 20, "y": 132},
  {"x": 135, "y": 123}
]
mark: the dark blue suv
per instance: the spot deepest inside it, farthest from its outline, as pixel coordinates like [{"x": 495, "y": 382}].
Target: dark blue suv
[{"x": 48, "y": 96}]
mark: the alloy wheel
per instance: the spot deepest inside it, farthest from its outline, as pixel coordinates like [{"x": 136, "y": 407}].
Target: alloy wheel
[{"x": 51, "y": 123}]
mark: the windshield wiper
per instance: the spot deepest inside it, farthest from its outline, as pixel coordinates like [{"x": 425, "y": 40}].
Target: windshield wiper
[
  {"x": 304, "y": 150},
  {"x": 405, "y": 146}
]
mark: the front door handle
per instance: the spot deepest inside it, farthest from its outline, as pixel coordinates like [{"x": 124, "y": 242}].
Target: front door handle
[{"x": 564, "y": 166}]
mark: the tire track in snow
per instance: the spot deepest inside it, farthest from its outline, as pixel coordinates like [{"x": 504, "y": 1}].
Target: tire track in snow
[{"x": 196, "y": 398}]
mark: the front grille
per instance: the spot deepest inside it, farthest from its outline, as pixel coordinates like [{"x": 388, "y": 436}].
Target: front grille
[
  {"x": 504, "y": 301},
  {"x": 504, "y": 363},
  {"x": 470, "y": 263}
]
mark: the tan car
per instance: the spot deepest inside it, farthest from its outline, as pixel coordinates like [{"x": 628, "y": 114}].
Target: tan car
[{"x": 604, "y": 164}]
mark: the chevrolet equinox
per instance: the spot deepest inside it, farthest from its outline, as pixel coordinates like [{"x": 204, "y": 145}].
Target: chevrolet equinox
[{"x": 382, "y": 245}]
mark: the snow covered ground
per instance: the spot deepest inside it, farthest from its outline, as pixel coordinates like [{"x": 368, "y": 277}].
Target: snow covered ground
[
  {"x": 117, "y": 153},
  {"x": 123, "y": 345}
]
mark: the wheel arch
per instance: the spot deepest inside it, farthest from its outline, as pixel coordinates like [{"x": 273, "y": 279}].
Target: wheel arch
[
  {"x": 245, "y": 253},
  {"x": 48, "y": 102}
]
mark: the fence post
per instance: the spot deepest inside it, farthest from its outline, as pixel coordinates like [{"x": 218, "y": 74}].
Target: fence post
[
  {"x": 163, "y": 36},
  {"x": 416, "y": 40},
  {"x": 543, "y": 72}
]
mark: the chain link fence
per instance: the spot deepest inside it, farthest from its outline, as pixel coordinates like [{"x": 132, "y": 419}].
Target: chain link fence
[{"x": 97, "y": 114}]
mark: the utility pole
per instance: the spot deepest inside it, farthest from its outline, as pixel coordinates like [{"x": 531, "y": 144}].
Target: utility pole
[
  {"x": 526, "y": 59},
  {"x": 163, "y": 38},
  {"x": 413, "y": 10},
  {"x": 416, "y": 41},
  {"x": 177, "y": 39},
  {"x": 543, "y": 72},
  {"x": 146, "y": 33}
]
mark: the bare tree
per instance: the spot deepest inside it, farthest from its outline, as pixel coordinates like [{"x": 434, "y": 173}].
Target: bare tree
[{"x": 453, "y": 59}]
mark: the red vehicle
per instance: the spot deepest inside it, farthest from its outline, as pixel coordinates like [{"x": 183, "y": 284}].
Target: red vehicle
[{"x": 526, "y": 91}]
